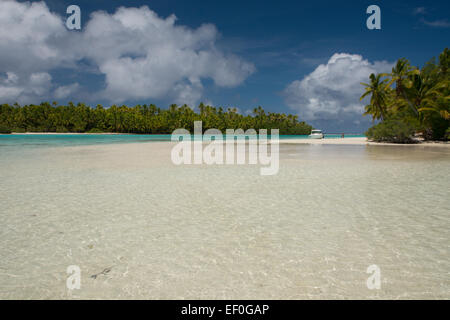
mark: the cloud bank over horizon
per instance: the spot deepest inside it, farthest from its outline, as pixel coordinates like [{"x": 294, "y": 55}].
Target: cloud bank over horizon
[
  {"x": 139, "y": 54},
  {"x": 329, "y": 96}
]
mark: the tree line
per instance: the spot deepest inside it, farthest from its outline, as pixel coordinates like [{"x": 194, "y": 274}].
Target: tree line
[
  {"x": 410, "y": 100},
  {"x": 140, "y": 119}
]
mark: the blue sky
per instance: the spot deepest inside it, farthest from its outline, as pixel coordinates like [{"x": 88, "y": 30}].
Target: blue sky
[{"x": 264, "y": 53}]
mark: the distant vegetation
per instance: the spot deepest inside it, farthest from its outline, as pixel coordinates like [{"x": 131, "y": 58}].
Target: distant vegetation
[
  {"x": 410, "y": 100},
  {"x": 140, "y": 119},
  {"x": 4, "y": 130}
]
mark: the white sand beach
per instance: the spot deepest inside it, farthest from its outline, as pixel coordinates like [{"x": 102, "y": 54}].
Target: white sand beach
[{"x": 359, "y": 141}]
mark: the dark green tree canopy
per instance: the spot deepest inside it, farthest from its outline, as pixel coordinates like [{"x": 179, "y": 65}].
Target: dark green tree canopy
[
  {"x": 420, "y": 98},
  {"x": 140, "y": 119}
]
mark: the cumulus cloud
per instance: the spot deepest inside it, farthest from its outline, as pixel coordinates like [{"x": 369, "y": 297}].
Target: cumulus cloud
[
  {"x": 32, "y": 42},
  {"x": 331, "y": 92},
  {"x": 143, "y": 55},
  {"x": 24, "y": 89},
  {"x": 32, "y": 38},
  {"x": 63, "y": 92},
  {"x": 140, "y": 54}
]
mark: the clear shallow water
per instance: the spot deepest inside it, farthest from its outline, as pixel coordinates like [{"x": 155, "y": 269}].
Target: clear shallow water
[
  {"x": 41, "y": 140},
  {"x": 225, "y": 232}
]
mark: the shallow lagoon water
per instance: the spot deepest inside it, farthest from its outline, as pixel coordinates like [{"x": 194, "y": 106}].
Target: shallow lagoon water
[
  {"x": 224, "y": 232},
  {"x": 61, "y": 140}
]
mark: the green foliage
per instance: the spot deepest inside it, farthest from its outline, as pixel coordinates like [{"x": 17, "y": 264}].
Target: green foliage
[
  {"x": 379, "y": 94},
  {"x": 141, "y": 119},
  {"x": 420, "y": 96},
  {"x": 395, "y": 131},
  {"x": 4, "y": 129},
  {"x": 19, "y": 130},
  {"x": 437, "y": 129},
  {"x": 61, "y": 129},
  {"x": 95, "y": 130}
]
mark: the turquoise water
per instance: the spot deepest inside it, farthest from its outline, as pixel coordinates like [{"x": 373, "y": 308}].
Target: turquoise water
[{"x": 38, "y": 140}]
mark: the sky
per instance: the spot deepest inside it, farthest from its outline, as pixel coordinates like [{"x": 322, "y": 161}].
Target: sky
[{"x": 299, "y": 57}]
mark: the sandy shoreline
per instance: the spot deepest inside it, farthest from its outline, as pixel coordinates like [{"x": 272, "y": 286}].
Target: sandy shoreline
[
  {"x": 326, "y": 141},
  {"x": 360, "y": 141}
]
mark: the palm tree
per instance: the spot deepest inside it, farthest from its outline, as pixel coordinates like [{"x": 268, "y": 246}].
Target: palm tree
[
  {"x": 429, "y": 92},
  {"x": 444, "y": 62},
  {"x": 401, "y": 75},
  {"x": 378, "y": 89},
  {"x": 435, "y": 100}
]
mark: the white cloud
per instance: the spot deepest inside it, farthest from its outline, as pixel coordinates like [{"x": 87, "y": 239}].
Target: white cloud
[
  {"x": 422, "y": 11},
  {"x": 25, "y": 89},
  {"x": 141, "y": 54},
  {"x": 10, "y": 93},
  {"x": 63, "y": 92},
  {"x": 39, "y": 83},
  {"x": 437, "y": 23},
  {"x": 145, "y": 56},
  {"x": 32, "y": 39},
  {"x": 332, "y": 90}
]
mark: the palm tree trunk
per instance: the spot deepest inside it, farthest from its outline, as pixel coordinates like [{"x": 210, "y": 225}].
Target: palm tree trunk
[{"x": 410, "y": 104}]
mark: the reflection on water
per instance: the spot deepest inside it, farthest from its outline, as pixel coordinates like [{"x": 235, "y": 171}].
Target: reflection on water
[{"x": 226, "y": 232}]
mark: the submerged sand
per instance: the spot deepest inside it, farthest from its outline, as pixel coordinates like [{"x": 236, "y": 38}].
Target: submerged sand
[{"x": 225, "y": 232}]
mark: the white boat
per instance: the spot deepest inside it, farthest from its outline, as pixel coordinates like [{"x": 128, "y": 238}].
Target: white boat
[{"x": 316, "y": 134}]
